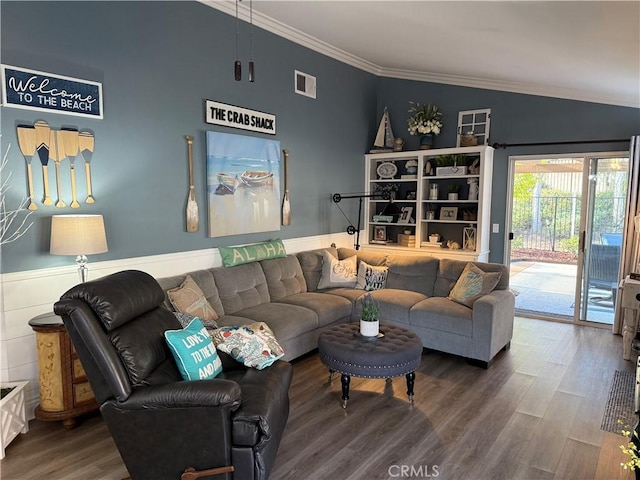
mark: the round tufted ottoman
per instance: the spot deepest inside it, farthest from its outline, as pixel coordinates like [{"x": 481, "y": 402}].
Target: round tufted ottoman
[{"x": 344, "y": 350}]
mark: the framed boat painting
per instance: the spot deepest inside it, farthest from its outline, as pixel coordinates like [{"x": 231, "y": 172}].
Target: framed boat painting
[{"x": 243, "y": 184}]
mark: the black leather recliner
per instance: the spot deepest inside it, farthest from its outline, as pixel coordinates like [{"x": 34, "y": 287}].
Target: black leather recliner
[{"x": 161, "y": 424}]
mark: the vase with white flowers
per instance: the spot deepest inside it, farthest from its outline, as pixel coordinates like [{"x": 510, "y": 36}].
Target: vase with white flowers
[
  {"x": 424, "y": 121},
  {"x": 369, "y": 319}
]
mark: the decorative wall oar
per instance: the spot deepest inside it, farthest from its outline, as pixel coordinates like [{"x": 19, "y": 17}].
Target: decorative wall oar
[
  {"x": 86, "y": 142},
  {"x": 56, "y": 153},
  {"x": 286, "y": 207},
  {"x": 70, "y": 144},
  {"x": 43, "y": 132},
  {"x": 193, "y": 224},
  {"x": 27, "y": 142}
]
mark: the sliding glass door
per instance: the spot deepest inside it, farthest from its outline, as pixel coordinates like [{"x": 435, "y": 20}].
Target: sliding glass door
[
  {"x": 566, "y": 216},
  {"x": 605, "y": 186}
]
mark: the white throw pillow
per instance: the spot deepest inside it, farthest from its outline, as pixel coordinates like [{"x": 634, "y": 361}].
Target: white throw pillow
[
  {"x": 371, "y": 277},
  {"x": 338, "y": 273}
]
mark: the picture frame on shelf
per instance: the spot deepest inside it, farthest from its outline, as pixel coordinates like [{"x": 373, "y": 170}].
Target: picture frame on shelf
[
  {"x": 405, "y": 216},
  {"x": 380, "y": 233},
  {"x": 448, "y": 213}
]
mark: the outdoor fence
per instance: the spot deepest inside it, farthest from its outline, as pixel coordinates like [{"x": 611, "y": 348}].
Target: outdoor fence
[{"x": 553, "y": 223}]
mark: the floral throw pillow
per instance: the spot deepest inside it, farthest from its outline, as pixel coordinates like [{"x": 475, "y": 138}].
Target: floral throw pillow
[
  {"x": 473, "y": 284},
  {"x": 338, "y": 273},
  {"x": 253, "y": 345},
  {"x": 371, "y": 277},
  {"x": 188, "y": 298}
]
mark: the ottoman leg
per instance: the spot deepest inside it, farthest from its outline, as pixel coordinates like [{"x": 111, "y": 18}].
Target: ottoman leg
[
  {"x": 411, "y": 377},
  {"x": 345, "y": 389}
]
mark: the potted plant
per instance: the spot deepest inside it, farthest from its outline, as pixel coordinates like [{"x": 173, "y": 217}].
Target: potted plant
[
  {"x": 369, "y": 318},
  {"x": 454, "y": 188},
  {"x": 424, "y": 121},
  {"x": 429, "y": 212}
]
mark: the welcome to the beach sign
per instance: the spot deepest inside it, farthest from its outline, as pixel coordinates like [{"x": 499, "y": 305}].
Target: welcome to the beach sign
[{"x": 47, "y": 92}]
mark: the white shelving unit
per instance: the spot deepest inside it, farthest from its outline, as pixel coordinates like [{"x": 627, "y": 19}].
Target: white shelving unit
[{"x": 414, "y": 192}]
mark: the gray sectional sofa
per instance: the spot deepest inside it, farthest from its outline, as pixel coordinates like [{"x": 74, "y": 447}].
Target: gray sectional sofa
[{"x": 283, "y": 293}]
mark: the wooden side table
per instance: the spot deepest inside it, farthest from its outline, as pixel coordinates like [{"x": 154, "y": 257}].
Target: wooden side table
[{"x": 65, "y": 393}]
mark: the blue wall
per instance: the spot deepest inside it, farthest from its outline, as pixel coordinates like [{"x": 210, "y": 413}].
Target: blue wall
[
  {"x": 159, "y": 61},
  {"x": 515, "y": 118}
]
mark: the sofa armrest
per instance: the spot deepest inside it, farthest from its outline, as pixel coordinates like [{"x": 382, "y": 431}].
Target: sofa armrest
[
  {"x": 203, "y": 393},
  {"x": 492, "y": 323}
]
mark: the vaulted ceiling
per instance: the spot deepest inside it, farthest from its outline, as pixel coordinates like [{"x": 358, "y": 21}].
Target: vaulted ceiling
[{"x": 583, "y": 50}]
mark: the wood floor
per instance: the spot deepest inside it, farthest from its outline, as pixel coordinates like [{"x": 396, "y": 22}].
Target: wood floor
[{"x": 535, "y": 414}]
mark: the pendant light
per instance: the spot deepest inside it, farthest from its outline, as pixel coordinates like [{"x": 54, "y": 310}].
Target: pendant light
[
  {"x": 251, "y": 71},
  {"x": 237, "y": 66}
]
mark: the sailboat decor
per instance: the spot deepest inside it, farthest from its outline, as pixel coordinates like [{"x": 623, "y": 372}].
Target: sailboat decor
[{"x": 384, "y": 138}]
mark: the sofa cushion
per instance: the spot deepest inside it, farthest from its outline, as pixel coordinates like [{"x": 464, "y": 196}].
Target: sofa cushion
[
  {"x": 412, "y": 272},
  {"x": 204, "y": 280},
  {"x": 253, "y": 345},
  {"x": 232, "y": 256},
  {"x": 371, "y": 277},
  {"x": 241, "y": 287},
  {"x": 338, "y": 273},
  {"x": 372, "y": 258},
  {"x": 188, "y": 298},
  {"x": 473, "y": 284},
  {"x": 395, "y": 304},
  {"x": 286, "y": 321},
  {"x": 450, "y": 270},
  {"x": 328, "y": 308},
  {"x": 311, "y": 265},
  {"x": 194, "y": 351},
  {"x": 442, "y": 314},
  {"x": 284, "y": 277}
]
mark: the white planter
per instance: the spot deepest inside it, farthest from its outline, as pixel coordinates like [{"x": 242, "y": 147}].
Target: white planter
[
  {"x": 453, "y": 196},
  {"x": 369, "y": 329},
  {"x": 13, "y": 417}
]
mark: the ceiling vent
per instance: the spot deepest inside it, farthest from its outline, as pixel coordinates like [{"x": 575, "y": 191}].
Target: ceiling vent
[{"x": 304, "y": 84}]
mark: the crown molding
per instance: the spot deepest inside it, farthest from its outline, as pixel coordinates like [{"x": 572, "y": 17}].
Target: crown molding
[
  {"x": 305, "y": 40},
  {"x": 514, "y": 87}
]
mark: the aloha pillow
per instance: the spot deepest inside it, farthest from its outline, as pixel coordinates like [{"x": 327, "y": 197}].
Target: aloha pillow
[
  {"x": 253, "y": 345},
  {"x": 338, "y": 273},
  {"x": 252, "y": 253},
  {"x": 473, "y": 284},
  {"x": 371, "y": 277},
  {"x": 194, "y": 351},
  {"x": 189, "y": 299}
]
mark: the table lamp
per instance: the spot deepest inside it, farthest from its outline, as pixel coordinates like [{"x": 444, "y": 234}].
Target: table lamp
[{"x": 79, "y": 235}]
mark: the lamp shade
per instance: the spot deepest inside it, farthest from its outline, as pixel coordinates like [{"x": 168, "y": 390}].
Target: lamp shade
[{"x": 77, "y": 235}]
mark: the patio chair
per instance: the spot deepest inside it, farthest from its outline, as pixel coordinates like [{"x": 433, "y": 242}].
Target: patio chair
[
  {"x": 604, "y": 262},
  {"x": 611, "y": 238}
]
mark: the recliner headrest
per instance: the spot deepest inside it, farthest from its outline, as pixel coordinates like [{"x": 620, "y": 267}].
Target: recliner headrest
[{"x": 119, "y": 297}]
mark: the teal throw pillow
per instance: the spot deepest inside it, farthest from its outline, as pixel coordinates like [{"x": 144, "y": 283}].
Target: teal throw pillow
[
  {"x": 194, "y": 351},
  {"x": 232, "y": 256}
]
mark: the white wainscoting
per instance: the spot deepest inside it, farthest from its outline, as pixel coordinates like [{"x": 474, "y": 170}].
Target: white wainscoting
[{"x": 23, "y": 295}]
